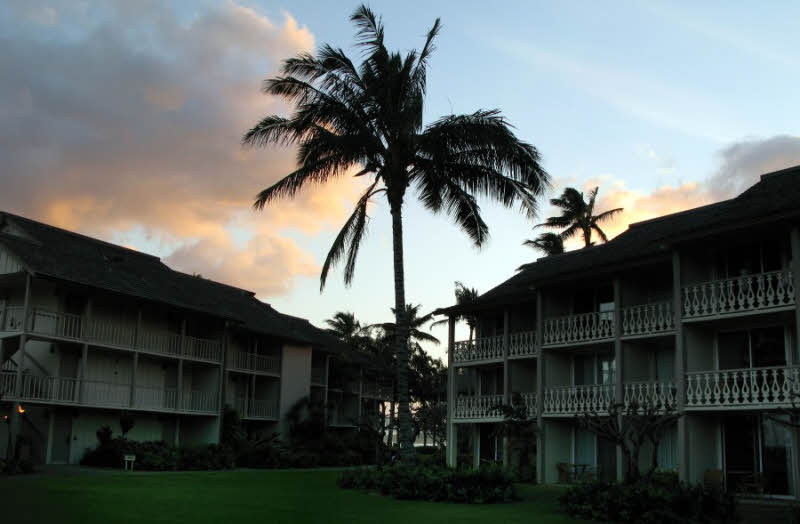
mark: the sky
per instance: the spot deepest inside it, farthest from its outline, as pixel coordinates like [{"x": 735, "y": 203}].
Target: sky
[{"x": 123, "y": 120}]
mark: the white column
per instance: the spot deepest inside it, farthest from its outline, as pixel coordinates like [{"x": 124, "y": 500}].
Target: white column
[
  {"x": 618, "y": 362},
  {"x": 795, "y": 351},
  {"x": 476, "y": 446},
  {"x": 540, "y": 363},
  {"x": 50, "y": 432},
  {"x": 23, "y": 339},
  {"x": 506, "y": 378},
  {"x": 452, "y": 442},
  {"x": 680, "y": 367},
  {"x": 179, "y": 392},
  {"x": 134, "y": 371},
  {"x": 83, "y": 374}
]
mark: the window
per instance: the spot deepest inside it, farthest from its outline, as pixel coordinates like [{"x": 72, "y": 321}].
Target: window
[
  {"x": 595, "y": 369},
  {"x": 752, "y": 348},
  {"x": 750, "y": 259}
]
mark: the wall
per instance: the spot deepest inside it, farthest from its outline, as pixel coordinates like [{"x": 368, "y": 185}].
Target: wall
[
  {"x": 703, "y": 431},
  {"x": 558, "y": 447},
  {"x": 86, "y": 422},
  {"x": 523, "y": 376},
  {"x": 8, "y": 264},
  {"x": 296, "y": 379}
]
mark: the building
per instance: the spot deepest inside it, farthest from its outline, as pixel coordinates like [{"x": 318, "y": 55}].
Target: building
[
  {"x": 697, "y": 309},
  {"x": 89, "y": 329}
]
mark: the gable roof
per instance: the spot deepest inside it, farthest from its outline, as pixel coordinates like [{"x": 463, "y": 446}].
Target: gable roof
[
  {"x": 52, "y": 252},
  {"x": 774, "y": 198}
]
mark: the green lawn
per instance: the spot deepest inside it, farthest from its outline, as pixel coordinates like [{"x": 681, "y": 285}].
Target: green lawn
[{"x": 268, "y": 497}]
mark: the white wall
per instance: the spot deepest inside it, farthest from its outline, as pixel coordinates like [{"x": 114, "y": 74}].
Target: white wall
[{"x": 295, "y": 378}]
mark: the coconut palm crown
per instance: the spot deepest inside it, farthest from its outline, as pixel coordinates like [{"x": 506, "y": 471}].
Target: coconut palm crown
[
  {"x": 577, "y": 216},
  {"x": 366, "y": 120}
]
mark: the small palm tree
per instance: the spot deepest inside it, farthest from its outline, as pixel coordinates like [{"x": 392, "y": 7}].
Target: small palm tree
[
  {"x": 344, "y": 326},
  {"x": 577, "y": 216},
  {"x": 464, "y": 296},
  {"x": 549, "y": 243},
  {"x": 416, "y": 324},
  {"x": 367, "y": 120}
]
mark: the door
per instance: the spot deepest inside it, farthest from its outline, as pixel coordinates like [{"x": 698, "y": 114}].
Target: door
[{"x": 62, "y": 437}]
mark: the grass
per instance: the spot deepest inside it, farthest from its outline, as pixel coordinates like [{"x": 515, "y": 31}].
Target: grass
[{"x": 243, "y": 497}]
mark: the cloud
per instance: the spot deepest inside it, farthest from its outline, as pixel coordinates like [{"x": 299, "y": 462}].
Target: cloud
[
  {"x": 740, "y": 166},
  {"x": 131, "y": 119}
]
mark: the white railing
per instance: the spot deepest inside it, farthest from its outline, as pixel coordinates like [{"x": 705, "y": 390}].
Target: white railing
[
  {"x": 318, "y": 376},
  {"x": 11, "y": 318},
  {"x": 753, "y": 387},
  {"x": 570, "y": 400},
  {"x": 585, "y": 327},
  {"x": 484, "y": 348},
  {"x": 252, "y": 362},
  {"x": 263, "y": 409},
  {"x": 109, "y": 332},
  {"x": 738, "y": 294},
  {"x": 154, "y": 397},
  {"x": 649, "y": 393},
  {"x": 103, "y": 393},
  {"x": 63, "y": 325},
  {"x": 160, "y": 343},
  {"x": 8, "y": 379},
  {"x": 203, "y": 349},
  {"x": 479, "y": 407},
  {"x": 199, "y": 401},
  {"x": 647, "y": 319},
  {"x": 530, "y": 403},
  {"x": 522, "y": 344},
  {"x": 51, "y": 389}
]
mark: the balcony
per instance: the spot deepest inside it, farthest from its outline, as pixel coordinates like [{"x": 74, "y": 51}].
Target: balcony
[
  {"x": 578, "y": 329},
  {"x": 110, "y": 333},
  {"x": 574, "y": 400},
  {"x": 647, "y": 319},
  {"x": 484, "y": 348},
  {"x": 731, "y": 296},
  {"x": 522, "y": 344},
  {"x": 649, "y": 393},
  {"x": 241, "y": 361},
  {"x": 767, "y": 387},
  {"x": 105, "y": 394},
  {"x": 482, "y": 407}
]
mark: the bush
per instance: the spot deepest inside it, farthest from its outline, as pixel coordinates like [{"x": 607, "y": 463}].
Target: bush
[
  {"x": 159, "y": 456},
  {"x": 486, "y": 485},
  {"x": 661, "y": 500}
]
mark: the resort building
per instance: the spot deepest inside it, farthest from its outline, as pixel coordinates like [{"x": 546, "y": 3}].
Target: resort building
[
  {"x": 89, "y": 330},
  {"x": 696, "y": 309}
]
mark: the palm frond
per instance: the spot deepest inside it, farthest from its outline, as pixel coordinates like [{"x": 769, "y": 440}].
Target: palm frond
[{"x": 369, "y": 28}]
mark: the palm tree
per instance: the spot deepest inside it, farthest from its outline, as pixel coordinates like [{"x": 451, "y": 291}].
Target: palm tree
[
  {"x": 366, "y": 120},
  {"x": 464, "y": 296},
  {"x": 550, "y": 243},
  {"x": 577, "y": 216},
  {"x": 415, "y": 324},
  {"x": 344, "y": 326}
]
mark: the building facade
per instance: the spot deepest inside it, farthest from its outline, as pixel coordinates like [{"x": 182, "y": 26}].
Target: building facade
[
  {"x": 89, "y": 330},
  {"x": 697, "y": 310}
]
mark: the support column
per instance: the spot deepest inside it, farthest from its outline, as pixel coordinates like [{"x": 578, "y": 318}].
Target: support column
[
  {"x": 51, "y": 423},
  {"x": 134, "y": 370},
  {"x": 179, "y": 387},
  {"x": 360, "y": 391},
  {"x": 476, "y": 446},
  {"x": 14, "y": 426},
  {"x": 540, "y": 365},
  {"x": 794, "y": 354},
  {"x": 452, "y": 442},
  {"x": 223, "y": 379},
  {"x": 506, "y": 378},
  {"x": 83, "y": 373},
  {"x": 680, "y": 367},
  {"x": 619, "y": 392}
]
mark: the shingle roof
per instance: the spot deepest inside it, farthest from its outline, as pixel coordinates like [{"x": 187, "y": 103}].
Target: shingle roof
[
  {"x": 56, "y": 253},
  {"x": 774, "y": 198}
]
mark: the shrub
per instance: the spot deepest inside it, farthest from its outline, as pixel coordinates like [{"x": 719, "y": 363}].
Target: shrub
[
  {"x": 660, "y": 500},
  {"x": 486, "y": 485}
]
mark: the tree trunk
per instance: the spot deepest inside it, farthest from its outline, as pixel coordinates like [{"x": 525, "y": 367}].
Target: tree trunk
[{"x": 401, "y": 334}]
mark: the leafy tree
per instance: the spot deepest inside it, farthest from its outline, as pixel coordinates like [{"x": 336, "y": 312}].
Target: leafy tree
[
  {"x": 549, "y": 243},
  {"x": 577, "y": 216},
  {"x": 520, "y": 430},
  {"x": 367, "y": 120}
]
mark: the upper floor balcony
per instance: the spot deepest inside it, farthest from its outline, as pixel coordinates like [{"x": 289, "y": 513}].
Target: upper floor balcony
[
  {"x": 486, "y": 408},
  {"x": 106, "y": 394},
  {"x": 759, "y": 387},
  {"x": 254, "y": 363},
  {"x": 578, "y": 329},
  {"x": 256, "y": 409},
  {"x": 647, "y": 319},
  {"x": 109, "y": 333},
  {"x": 490, "y": 349},
  {"x": 744, "y": 294}
]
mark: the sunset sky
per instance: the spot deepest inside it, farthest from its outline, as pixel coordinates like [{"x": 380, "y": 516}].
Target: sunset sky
[{"x": 123, "y": 120}]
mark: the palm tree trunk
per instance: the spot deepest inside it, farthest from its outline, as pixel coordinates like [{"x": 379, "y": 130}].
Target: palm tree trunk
[{"x": 406, "y": 438}]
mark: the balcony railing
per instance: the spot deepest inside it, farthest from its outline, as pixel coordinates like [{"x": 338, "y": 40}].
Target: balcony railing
[
  {"x": 649, "y": 393},
  {"x": 586, "y": 327},
  {"x": 264, "y": 409},
  {"x": 479, "y": 407},
  {"x": 8, "y": 380},
  {"x": 530, "y": 403},
  {"x": 483, "y": 348},
  {"x": 570, "y": 400},
  {"x": 252, "y": 362},
  {"x": 647, "y": 319},
  {"x": 199, "y": 401},
  {"x": 109, "y": 333},
  {"x": 752, "y": 387},
  {"x": 739, "y": 294},
  {"x": 154, "y": 397},
  {"x": 522, "y": 344}
]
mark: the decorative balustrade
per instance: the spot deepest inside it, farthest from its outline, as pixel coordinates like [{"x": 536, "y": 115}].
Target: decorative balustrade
[
  {"x": 734, "y": 295},
  {"x": 479, "y": 407},
  {"x": 570, "y": 400},
  {"x": 649, "y": 393},
  {"x": 752, "y": 387},
  {"x": 647, "y": 319},
  {"x": 522, "y": 344},
  {"x": 11, "y": 318},
  {"x": 530, "y": 403},
  {"x": 318, "y": 376},
  {"x": 484, "y": 348},
  {"x": 586, "y": 327}
]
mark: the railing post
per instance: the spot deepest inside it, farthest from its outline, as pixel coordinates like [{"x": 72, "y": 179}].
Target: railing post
[{"x": 452, "y": 445}]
